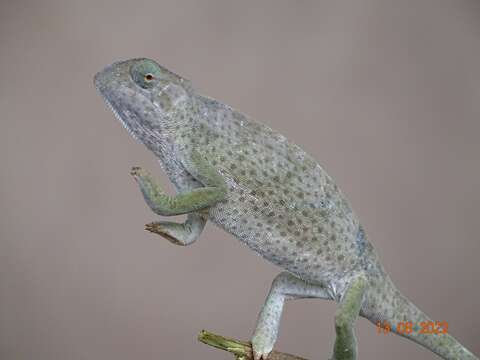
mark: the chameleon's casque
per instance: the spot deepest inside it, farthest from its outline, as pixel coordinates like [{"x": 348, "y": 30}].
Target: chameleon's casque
[{"x": 266, "y": 191}]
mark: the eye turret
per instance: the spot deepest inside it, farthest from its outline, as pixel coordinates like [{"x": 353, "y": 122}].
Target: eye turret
[{"x": 146, "y": 73}]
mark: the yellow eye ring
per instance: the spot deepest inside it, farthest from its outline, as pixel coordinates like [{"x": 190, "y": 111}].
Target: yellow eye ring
[{"x": 148, "y": 77}]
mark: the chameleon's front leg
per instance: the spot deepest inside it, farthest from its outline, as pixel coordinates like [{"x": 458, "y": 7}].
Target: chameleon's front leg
[
  {"x": 284, "y": 287},
  {"x": 183, "y": 203},
  {"x": 191, "y": 202}
]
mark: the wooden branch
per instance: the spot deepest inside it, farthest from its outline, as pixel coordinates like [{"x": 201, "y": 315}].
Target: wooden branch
[{"x": 241, "y": 349}]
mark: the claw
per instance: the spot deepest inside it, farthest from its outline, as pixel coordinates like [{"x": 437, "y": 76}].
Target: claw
[
  {"x": 135, "y": 171},
  {"x": 260, "y": 356},
  {"x": 138, "y": 173},
  {"x": 262, "y": 343},
  {"x": 156, "y": 228},
  {"x": 261, "y": 351},
  {"x": 152, "y": 227}
]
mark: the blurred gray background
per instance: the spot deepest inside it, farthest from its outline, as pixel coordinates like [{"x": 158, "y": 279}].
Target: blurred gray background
[{"x": 385, "y": 94}]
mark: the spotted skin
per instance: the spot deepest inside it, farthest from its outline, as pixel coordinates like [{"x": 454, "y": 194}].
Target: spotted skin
[{"x": 266, "y": 191}]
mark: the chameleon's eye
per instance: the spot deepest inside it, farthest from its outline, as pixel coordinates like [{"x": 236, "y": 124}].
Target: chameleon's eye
[{"x": 145, "y": 73}]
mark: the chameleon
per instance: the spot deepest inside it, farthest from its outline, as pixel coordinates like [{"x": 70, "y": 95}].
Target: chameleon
[{"x": 266, "y": 191}]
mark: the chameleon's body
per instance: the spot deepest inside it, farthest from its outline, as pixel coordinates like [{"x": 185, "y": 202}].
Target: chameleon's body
[{"x": 266, "y": 191}]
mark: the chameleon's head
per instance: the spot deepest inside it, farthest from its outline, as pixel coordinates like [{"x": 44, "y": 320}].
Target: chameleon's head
[{"x": 145, "y": 97}]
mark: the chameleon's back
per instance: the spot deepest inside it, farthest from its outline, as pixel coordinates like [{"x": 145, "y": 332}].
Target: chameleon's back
[{"x": 281, "y": 202}]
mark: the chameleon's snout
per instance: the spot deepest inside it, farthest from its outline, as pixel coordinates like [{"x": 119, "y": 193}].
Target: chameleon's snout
[
  {"x": 99, "y": 77},
  {"x": 109, "y": 75}
]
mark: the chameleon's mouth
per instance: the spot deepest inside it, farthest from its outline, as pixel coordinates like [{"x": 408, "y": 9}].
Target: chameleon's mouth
[
  {"x": 117, "y": 115},
  {"x": 104, "y": 91}
]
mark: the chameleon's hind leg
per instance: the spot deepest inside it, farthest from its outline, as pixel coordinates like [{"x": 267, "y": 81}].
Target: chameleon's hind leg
[
  {"x": 345, "y": 347},
  {"x": 284, "y": 287},
  {"x": 179, "y": 233}
]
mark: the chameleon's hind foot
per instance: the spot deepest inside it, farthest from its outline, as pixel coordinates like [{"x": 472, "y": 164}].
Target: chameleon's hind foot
[{"x": 262, "y": 345}]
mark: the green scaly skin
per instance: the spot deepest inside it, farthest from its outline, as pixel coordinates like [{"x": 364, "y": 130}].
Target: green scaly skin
[{"x": 267, "y": 192}]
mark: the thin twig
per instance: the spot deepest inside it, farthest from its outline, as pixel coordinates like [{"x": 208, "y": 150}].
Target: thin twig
[{"x": 241, "y": 349}]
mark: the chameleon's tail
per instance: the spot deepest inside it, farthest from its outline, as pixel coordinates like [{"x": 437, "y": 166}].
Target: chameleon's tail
[{"x": 393, "y": 311}]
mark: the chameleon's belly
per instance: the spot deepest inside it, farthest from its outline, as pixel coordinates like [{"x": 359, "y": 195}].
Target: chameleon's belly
[{"x": 316, "y": 244}]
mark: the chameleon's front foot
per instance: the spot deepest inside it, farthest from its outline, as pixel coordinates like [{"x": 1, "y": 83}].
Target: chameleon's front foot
[
  {"x": 164, "y": 231},
  {"x": 137, "y": 171},
  {"x": 179, "y": 233}
]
